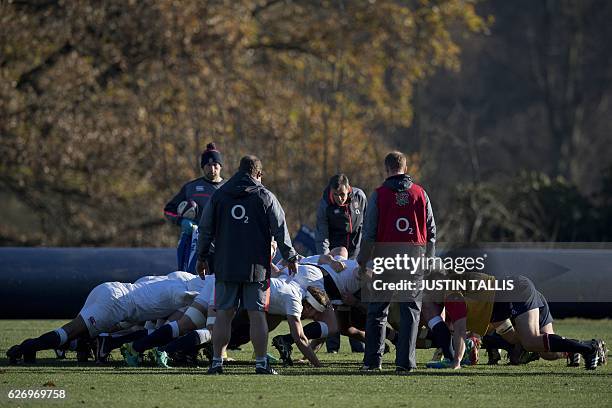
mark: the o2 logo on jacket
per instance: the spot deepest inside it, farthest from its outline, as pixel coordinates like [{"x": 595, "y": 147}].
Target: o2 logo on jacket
[
  {"x": 239, "y": 213},
  {"x": 403, "y": 225}
]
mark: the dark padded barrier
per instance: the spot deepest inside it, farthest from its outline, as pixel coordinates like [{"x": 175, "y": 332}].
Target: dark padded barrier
[{"x": 44, "y": 283}]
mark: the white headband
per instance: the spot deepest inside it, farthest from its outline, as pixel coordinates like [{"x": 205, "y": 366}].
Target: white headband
[{"x": 314, "y": 303}]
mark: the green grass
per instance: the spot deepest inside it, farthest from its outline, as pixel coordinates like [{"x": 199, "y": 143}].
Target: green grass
[{"x": 338, "y": 384}]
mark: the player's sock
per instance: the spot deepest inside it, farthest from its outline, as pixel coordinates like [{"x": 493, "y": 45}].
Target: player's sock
[
  {"x": 442, "y": 336},
  {"x": 217, "y": 362},
  {"x": 189, "y": 342},
  {"x": 72, "y": 346},
  {"x": 495, "y": 341},
  {"x": 288, "y": 338},
  {"x": 313, "y": 330},
  {"x": 69, "y": 345},
  {"x": 49, "y": 340},
  {"x": 117, "y": 341},
  {"x": 261, "y": 362},
  {"x": 186, "y": 343},
  {"x": 556, "y": 343},
  {"x": 159, "y": 337},
  {"x": 316, "y": 330}
]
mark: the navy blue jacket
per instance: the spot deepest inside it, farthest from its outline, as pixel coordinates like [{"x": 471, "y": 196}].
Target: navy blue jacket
[
  {"x": 199, "y": 190},
  {"x": 340, "y": 225},
  {"x": 241, "y": 218}
]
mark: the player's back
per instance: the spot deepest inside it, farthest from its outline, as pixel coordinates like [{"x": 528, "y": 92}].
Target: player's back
[
  {"x": 306, "y": 275},
  {"x": 179, "y": 275},
  {"x": 158, "y": 298},
  {"x": 285, "y": 298},
  {"x": 345, "y": 280}
]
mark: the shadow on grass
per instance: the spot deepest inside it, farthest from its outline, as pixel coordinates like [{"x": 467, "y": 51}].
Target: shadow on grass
[
  {"x": 233, "y": 368},
  {"x": 150, "y": 371}
]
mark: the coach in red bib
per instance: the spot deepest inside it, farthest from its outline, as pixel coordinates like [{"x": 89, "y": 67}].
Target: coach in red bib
[{"x": 399, "y": 211}]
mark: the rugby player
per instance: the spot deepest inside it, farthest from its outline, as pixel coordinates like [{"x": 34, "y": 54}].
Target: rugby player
[
  {"x": 289, "y": 301},
  {"x": 199, "y": 315},
  {"x": 338, "y": 277},
  {"x": 520, "y": 316},
  {"x": 111, "y": 303}
]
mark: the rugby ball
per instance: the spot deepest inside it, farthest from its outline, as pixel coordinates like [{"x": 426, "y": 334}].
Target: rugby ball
[{"x": 188, "y": 209}]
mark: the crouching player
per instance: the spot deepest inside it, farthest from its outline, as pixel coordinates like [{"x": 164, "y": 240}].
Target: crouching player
[
  {"x": 110, "y": 303},
  {"x": 198, "y": 316},
  {"x": 289, "y": 301},
  {"x": 532, "y": 327},
  {"x": 520, "y": 316},
  {"x": 339, "y": 278}
]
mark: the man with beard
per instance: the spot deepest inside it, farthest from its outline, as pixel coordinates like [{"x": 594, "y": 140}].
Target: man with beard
[{"x": 185, "y": 208}]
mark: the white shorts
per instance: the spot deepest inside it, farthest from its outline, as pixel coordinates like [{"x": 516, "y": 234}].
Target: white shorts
[{"x": 103, "y": 309}]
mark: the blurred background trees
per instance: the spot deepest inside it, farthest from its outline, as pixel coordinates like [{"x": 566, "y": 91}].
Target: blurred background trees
[{"x": 502, "y": 107}]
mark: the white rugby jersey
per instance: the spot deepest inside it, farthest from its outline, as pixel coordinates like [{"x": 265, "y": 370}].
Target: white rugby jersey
[
  {"x": 346, "y": 280},
  {"x": 151, "y": 278},
  {"x": 180, "y": 275},
  {"x": 306, "y": 275},
  {"x": 285, "y": 298},
  {"x": 158, "y": 298}
]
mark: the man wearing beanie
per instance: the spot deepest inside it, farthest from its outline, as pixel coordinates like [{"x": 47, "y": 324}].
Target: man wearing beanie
[
  {"x": 195, "y": 194},
  {"x": 242, "y": 218}
]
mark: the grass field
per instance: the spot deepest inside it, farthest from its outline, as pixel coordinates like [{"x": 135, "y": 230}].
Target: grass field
[{"x": 338, "y": 384}]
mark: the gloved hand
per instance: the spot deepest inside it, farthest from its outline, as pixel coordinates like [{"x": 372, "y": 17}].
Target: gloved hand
[{"x": 187, "y": 226}]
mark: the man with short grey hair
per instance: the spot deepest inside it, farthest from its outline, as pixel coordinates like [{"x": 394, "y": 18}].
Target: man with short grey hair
[
  {"x": 242, "y": 217},
  {"x": 399, "y": 214}
]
